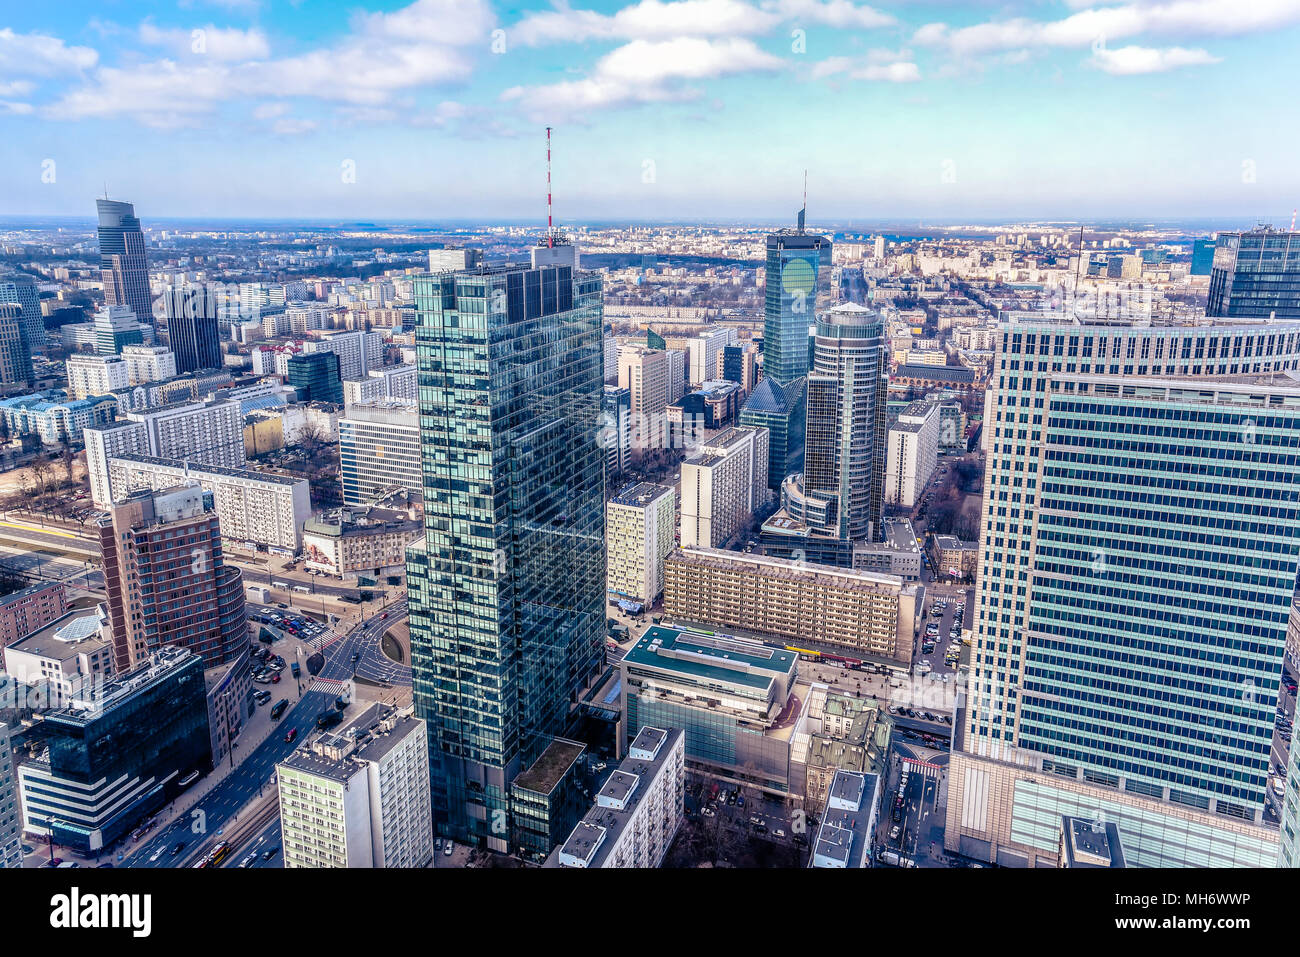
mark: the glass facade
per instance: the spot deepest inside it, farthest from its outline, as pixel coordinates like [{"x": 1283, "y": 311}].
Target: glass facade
[
  {"x": 1256, "y": 274},
  {"x": 782, "y": 410},
  {"x": 797, "y": 269},
  {"x": 316, "y": 377},
  {"x": 1167, "y": 546},
  {"x": 507, "y": 592},
  {"x": 123, "y": 266}
]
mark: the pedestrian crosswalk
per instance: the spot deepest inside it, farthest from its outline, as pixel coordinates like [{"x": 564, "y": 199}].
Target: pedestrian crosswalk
[{"x": 923, "y": 768}]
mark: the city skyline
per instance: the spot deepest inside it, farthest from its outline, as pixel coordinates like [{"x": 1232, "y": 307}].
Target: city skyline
[{"x": 903, "y": 109}]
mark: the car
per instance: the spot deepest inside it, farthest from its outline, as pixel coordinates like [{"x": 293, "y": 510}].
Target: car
[
  {"x": 894, "y": 832},
  {"x": 708, "y": 812},
  {"x": 270, "y": 852},
  {"x": 180, "y": 846},
  {"x": 448, "y": 848},
  {"x": 248, "y": 861},
  {"x": 731, "y": 798},
  {"x": 779, "y": 832},
  {"x": 278, "y": 709},
  {"x": 383, "y": 616},
  {"x": 292, "y": 736},
  {"x": 275, "y": 678},
  {"x": 740, "y": 802},
  {"x": 356, "y": 656},
  {"x": 54, "y": 862}
]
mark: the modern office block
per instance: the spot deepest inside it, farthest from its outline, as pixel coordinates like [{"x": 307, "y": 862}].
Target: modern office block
[
  {"x": 124, "y": 267},
  {"x": 115, "y": 328},
  {"x": 167, "y": 580},
  {"x": 191, "y": 321},
  {"x": 1256, "y": 274},
  {"x": 844, "y": 441},
  {"x": 316, "y": 376},
  {"x": 616, "y": 429},
  {"x": 546, "y": 801},
  {"x": 359, "y": 797},
  {"x": 724, "y": 486},
  {"x": 646, "y": 374},
  {"x": 15, "y": 288},
  {"x": 797, "y": 270},
  {"x": 733, "y": 698},
  {"x": 507, "y": 592},
  {"x": 15, "y": 352},
  {"x": 638, "y": 537},
  {"x": 114, "y": 759},
  {"x": 359, "y": 353},
  {"x": 64, "y": 658},
  {"x": 913, "y": 452},
  {"x": 781, "y": 409},
  {"x": 864, "y": 613},
  {"x": 379, "y": 451},
  {"x": 638, "y": 811}
]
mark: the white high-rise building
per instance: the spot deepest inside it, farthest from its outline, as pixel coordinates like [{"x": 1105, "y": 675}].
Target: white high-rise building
[
  {"x": 646, "y": 373},
  {"x": 11, "y": 844},
  {"x": 638, "y": 537},
  {"x": 611, "y": 359},
  {"x": 359, "y": 797},
  {"x": 454, "y": 260},
  {"x": 210, "y": 432},
  {"x": 676, "y": 374},
  {"x": 913, "y": 451},
  {"x": 148, "y": 363},
  {"x": 379, "y": 449},
  {"x": 96, "y": 375},
  {"x": 358, "y": 352},
  {"x": 723, "y": 485},
  {"x": 703, "y": 352}
]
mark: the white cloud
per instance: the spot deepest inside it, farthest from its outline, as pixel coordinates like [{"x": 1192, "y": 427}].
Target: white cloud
[
  {"x": 1131, "y": 60},
  {"x": 423, "y": 44},
  {"x": 18, "y": 109},
  {"x": 887, "y": 66},
  {"x": 36, "y": 54},
  {"x": 647, "y": 20},
  {"x": 646, "y": 72},
  {"x": 16, "y": 88},
  {"x": 833, "y": 13},
  {"x": 211, "y": 41},
  {"x": 659, "y": 20},
  {"x": 1097, "y": 25}
]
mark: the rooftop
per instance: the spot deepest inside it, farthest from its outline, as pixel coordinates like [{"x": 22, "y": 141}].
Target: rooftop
[
  {"x": 640, "y": 494},
  {"x": 717, "y": 658},
  {"x": 551, "y": 766}
]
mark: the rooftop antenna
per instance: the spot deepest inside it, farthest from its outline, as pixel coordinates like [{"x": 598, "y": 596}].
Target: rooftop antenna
[
  {"x": 804, "y": 211},
  {"x": 1293, "y": 220},
  {"x": 550, "y": 225}
]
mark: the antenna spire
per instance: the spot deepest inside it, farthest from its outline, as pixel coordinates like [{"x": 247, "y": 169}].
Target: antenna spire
[
  {"x": 1293, "y": 220},
  {"x": 550, "y": 225}
]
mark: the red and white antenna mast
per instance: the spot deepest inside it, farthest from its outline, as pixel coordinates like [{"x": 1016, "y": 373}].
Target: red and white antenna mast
[
  {"x": 550, "y": 225},
  {"x": 1293, "y": 220}
]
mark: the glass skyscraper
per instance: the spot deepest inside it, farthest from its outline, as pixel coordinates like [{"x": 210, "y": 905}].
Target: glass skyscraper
[
  {"x": 190, "y": 320},
  {"x": 22, "y": 290},
  {"x": 507, "y": 590},
  {"x": 1256, "y": 274},
  {"x": 797, "y": 269},
  {"x": 123, "y": 266}
]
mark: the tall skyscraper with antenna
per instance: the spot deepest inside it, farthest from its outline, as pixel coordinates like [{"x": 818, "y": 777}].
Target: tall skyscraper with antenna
[{"x": 122, "y": 262}]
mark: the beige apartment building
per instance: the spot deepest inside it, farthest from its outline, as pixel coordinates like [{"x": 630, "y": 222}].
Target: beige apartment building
[{"x": 860, "y": 612}]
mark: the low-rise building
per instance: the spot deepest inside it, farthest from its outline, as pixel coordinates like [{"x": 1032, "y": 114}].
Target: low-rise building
[
  {"x": 863, "y": 613},
  {"x": 30, "y": 609},
  {"x": 64, "y": 659},
  {"x": 952, "y": 558},
  {"x": 345, "y": 543},
  {"x": 844, "y": 836},
  {"x": 638, "y": 811}
]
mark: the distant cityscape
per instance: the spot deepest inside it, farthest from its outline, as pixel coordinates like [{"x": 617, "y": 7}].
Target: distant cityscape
[{"x": 648, "y": 545}]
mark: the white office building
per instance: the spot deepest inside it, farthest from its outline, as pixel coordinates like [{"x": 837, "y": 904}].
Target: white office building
[
  {"x": 703, "y": 352},
  {"x": 454, "y": 260},
  {"x": 256, "y": 509},
  {"x": 912, "y": 452},
  {"x": 390, "y": 382},
  {"x": 96, "y": 375},
  {"x": 723, "y": 485},
  {"x": 637, "y": 812},
  {"x": 358, "y": 352},
  {"x": 359, "y": 797},
  {"x": 638, "y": 537},
  {"x": 379, "y": 451}
]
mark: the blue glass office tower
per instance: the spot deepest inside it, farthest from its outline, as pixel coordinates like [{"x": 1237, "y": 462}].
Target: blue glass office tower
[
  {"x": 797, "y": 269},
  {"x": 1202, "y": 257},
  {"x": 1167, "y": 546},
  {"x": 507, "y": 591},
  {"x": 316, "y": 377},
  {"x": 22, "y": 290},
  {"x": 1256, "y": 274}
]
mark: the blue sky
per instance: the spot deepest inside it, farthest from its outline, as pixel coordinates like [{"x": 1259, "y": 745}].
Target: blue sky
[{"x": 703, "y": 109}]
